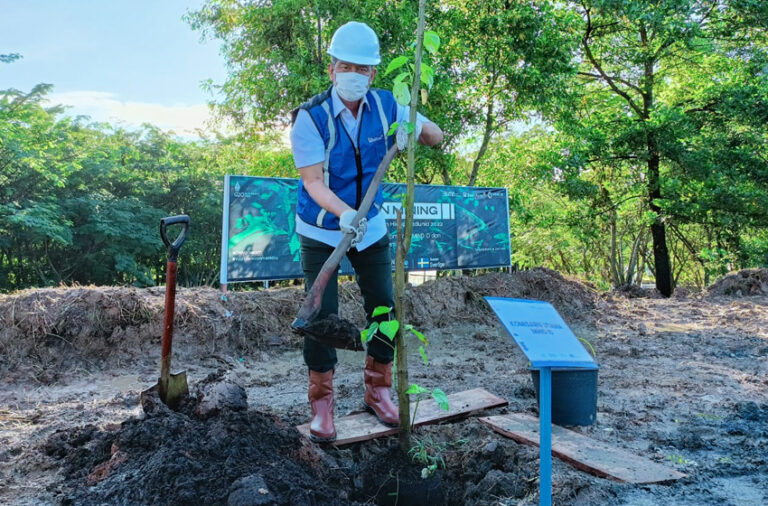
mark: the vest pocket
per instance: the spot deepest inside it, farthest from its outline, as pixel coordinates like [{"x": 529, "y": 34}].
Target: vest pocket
[{"x": 378, "y": 143}]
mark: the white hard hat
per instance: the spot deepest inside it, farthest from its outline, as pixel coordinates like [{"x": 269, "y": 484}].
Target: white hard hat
[{"x": 355, "y": 42}]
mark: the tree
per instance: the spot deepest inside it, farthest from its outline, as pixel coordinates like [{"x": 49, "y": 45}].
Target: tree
[
  {"x": 80, "y": 203},
  {"x": 505, "y": 59},
  {"x": 634, "y": 53},
  {"x": 276, "y": 51},
  {"x": 508, "y": 61}
]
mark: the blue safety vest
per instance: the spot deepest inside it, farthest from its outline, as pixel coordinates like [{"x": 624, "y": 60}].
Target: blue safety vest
[{"x": 347, "y": 170}]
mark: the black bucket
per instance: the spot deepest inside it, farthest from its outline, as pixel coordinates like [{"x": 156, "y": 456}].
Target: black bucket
[{"x": 574, "y": 395}]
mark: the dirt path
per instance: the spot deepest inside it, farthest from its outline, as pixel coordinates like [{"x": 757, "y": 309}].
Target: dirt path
[{"x": 682, "y": 381}]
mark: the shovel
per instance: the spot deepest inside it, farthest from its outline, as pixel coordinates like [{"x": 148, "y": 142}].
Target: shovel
[
  {"x": 336, "y": 332},
  {"x": 171, "y": 388}
]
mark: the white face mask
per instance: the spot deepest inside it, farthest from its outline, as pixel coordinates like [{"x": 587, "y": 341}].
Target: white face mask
[{"x": 351, "y": 86}]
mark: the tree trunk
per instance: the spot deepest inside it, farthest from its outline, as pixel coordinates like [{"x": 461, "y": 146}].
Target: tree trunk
[
  {"x": 488, "y": 130},
  {"x": 633, "y": 257},
  {"x": 401, "y": 350},
  {"x": 614, "y": 261},
  {"x": 403, "y": 246},
  {"x": 663, "y": 267},
  {"x": 658, "y": 230},
  {"x": 445, "y": 175}
]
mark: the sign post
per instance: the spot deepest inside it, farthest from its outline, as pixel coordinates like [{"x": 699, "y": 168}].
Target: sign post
[
  {"x": 546, "y": 340},
  {"x": 545, "y": 436}
]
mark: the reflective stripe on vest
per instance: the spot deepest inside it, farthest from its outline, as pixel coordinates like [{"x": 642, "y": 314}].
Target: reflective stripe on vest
[
  {"x": 331, "y": 143},
  {"x": 382, "y": 117}
]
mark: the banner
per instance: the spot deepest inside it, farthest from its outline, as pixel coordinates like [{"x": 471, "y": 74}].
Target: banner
[{"x": 454, "y": 228}]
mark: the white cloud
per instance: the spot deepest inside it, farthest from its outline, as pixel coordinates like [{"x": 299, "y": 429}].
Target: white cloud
[{"x": 104, "y": 106}]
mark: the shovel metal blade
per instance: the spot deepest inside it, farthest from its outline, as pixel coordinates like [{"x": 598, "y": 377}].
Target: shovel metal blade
[{"x": 171, "y": 393}]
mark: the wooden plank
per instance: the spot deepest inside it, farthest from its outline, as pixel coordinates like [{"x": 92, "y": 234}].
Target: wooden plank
[
  {"x": 364, "y": 426},
  {"x": 583, "y": 452}
]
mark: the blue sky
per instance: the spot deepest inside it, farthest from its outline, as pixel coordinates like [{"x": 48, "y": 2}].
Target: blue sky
[{"x": 122, "y": 61}]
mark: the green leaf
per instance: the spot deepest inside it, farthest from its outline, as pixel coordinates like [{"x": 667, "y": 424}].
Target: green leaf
[
  {"x": 431, "y": 41},
  {"x": 416, "y": 389},
  {"x": 402, "y": 93},
  {"x": 402, "y": 77},
  {"x": 389, "y": 328},
  {"x": 423, "y": 355},
  {"x": 427, "y": 75},
  {"x": 369, "y": 332},
  {"x": 418, "y": 335},
  {"x": 380, "y": 310},
  {"x": 441, "y": 399},
  {"x": 396, "y": 64},
  {"x": 393, "y": 128}
]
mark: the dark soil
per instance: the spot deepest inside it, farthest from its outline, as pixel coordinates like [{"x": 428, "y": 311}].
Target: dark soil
[
  {"x": 333, "y": 331},
  {"x": 235, "y": 456},
  {"x": 747, "y": 282},
  {"x": 228, "y": 456}
]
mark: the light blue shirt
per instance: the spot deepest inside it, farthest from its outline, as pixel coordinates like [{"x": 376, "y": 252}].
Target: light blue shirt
[{"x": 309, "y": 149}]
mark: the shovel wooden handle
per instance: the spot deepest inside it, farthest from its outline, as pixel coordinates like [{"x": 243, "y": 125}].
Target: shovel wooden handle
[
  {"x": 312, "y": 303},
  {"x": 170, "y": 302},
  {"x": 170, "y": 294}
]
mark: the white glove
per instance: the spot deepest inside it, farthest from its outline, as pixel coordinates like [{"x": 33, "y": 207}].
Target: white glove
[
  {"x": 401, "y": 136},
  {"x": 345, "y": 224}
]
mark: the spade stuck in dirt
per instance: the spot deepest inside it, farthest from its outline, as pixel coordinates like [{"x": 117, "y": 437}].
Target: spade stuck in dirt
[{"x": 171, "y": 388}]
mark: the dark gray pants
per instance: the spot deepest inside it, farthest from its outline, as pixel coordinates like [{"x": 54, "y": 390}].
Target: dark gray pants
[{"x": 373, "y": 272}]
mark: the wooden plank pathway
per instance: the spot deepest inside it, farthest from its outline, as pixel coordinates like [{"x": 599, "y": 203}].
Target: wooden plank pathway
[
  {"x": 595, "y": 457},
  {"x": 364, "y": 426}
]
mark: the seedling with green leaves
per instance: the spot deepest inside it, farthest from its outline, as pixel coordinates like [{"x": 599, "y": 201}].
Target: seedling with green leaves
[{"x": 429, "y": 453}]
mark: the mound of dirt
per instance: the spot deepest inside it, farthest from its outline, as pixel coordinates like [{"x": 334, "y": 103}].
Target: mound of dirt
[
  {"x": 61, "y": 326},
  {"x": 747, "y": 282},
  {"x": 57, "y": 330},
  {"x": 229, "y": 456},
  {"x": 474, "y": 474},
  {"x": 447, "y": 300},
  {"x": 61, "y": 329},
  {"x": 635, "y": 292}
]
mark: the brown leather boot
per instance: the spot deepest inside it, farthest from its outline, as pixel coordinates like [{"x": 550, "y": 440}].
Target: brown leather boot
[
  {"x": 378, "y": 394},
  {"x": 321, "y": 428}
]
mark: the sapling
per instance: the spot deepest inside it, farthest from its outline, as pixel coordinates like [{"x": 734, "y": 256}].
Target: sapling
[
  {"x": 414, "y": 74},
  {"x": 423, "y": 451}
]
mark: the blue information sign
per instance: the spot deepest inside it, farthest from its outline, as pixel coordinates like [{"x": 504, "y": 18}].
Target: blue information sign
[
  {"x": 547, "y": 341},
  {"x": 541, "y": 333}
]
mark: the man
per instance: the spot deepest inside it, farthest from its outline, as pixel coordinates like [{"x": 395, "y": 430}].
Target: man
[{"x": 339, "y": 137}]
